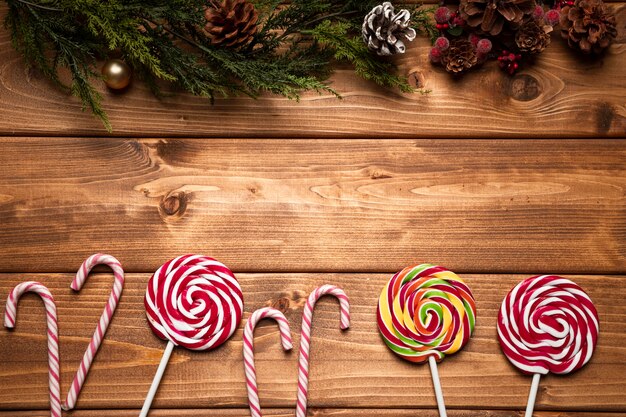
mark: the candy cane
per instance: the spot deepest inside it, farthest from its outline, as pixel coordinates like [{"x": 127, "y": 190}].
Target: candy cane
[
  {"x": 10, "y": 315},
  {"x": 305, "y": 340},
  {"x": 103, "y": 324},
  {"x": 248, "y": 351}
]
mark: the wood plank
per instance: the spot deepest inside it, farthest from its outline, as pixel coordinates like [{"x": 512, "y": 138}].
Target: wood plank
[
  {"x": 350, "y": 369},
  {"x": 563, "y": 95},
  {"x": 317, "y": 412},
  {"x": 342, "y": 205}
]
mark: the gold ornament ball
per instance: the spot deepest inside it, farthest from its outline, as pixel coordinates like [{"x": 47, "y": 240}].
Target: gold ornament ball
[{"x": 116, "y": 74}]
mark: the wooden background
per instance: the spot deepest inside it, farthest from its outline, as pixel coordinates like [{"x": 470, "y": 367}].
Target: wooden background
[{"x": 295, "y": 195}]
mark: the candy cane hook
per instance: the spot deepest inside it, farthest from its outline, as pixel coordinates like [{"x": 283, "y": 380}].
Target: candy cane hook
[
  {"x": 103, "y": 324},
  {"x": 10, "y": 316},
  {"x": 248, "y": 351},
  {"x": 305, "y": 340}
]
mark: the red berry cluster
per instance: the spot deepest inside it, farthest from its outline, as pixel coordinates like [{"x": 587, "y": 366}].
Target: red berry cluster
[
  {"x": 509, "y": 61},
  {"x": 446, "y": 19},
  {"x": 558, "y": 4}
]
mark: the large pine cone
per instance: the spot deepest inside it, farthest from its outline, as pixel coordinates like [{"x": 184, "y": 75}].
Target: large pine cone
[
  {"x": 533, "y": 37},
  {"x": 588, "y": 25},
  {"x": 491, "y": 16},
  {"x": 385, "y": 31},
  {"x": 231, "y": 23},
  {"x": 459, "y": 57}
]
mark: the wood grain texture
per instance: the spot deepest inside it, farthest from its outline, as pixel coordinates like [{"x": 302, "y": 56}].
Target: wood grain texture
[
  {"x": 315, "y": 412},
  {"x": 274, "y": 205},
  {"x": 563, "y": 95},
  {"x": 349, "y": 369}
]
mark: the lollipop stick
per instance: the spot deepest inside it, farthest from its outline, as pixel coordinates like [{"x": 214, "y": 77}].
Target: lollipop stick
[
  {"x": 534, "y": 387},
  {"x": 437, "y": 384},
  {"x": 157, "y": 379}
]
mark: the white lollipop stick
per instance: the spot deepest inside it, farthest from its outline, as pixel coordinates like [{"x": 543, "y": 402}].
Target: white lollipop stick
[
  {"x": 532, "y": 397},
  {"x": 157, "y": 379},
  {"x": 437, "y": 384}
]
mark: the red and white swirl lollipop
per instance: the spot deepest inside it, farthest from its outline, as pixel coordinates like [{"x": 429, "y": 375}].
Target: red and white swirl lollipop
[
  {"x": 547, "y": 324},
  {"x": 192, "y": 301}
]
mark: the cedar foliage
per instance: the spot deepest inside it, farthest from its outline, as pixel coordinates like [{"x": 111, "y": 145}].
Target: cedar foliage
[{"x": 163, "y": 41}]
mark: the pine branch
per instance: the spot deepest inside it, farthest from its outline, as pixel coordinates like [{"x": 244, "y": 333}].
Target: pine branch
[
  {"x": 163, "y": 41},
  {"x": 353, "y": 50}
]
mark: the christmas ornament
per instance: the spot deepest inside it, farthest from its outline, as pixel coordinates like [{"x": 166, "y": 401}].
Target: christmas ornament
[
  {"x": 588, "y": 25},
  {"x": 493, "y": 16},
  {"x": 231, "y": 23},
  {"x": 385, "y": 31},
  {"x": 117, "y": 74},
  {"x": 533, "y": 37}
]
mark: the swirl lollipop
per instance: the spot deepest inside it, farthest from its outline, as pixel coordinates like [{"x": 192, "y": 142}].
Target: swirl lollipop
[
  {"x": 426, "y": 312},
  {"x": 547, "y": 324},
  {"x": 191, "y": 301}
]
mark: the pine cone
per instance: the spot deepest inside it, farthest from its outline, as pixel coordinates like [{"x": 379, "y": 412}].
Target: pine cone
[
  {"x": 231, "y": 23},
  {"x": 533, "y": 37},
  {"x": 588, "y": 25},
  {"x": 385, "y": 31},
  {"x": 460, "y": 56},
  {"x": 491, "y": 16}
]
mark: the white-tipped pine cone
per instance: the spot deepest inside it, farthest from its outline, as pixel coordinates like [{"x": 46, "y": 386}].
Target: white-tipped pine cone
[{"x": 385, "y": 31}]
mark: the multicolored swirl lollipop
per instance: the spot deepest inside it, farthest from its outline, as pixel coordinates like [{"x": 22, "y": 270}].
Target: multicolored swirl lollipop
[
  {"x": 547, "y": 323},
  {"x": 192, "y": 301},
  {"x": 426, "y": 312}
]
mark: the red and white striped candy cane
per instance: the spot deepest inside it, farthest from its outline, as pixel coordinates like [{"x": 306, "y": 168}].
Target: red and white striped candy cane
[
  {"x": 103, "y": 324},
  {"x": 10, "y": 315},
  {"x": 248, "y": 351},
  {"x": 305, "y": 339}
]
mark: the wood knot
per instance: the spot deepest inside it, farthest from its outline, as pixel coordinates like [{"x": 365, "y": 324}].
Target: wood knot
[
  {"x": 524, "y": 87},
  {"x": 379, "y": 175},
  {"x": 168, "y": 149},
  {"x": 604, "y": 118},
  {"x": 416, "y": 79},
  {"x": 174, "y": 205},
  {"x": 282, "y": 304}
]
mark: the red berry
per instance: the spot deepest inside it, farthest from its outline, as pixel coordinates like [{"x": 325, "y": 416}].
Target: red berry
[
  {"x": 552, "y": 17},
  {"x": 442, "y": 43},
  {"x": 457, "y": 21},
  {"x": 435, "y": 55},
  {"x": 442, "y": 15},
  {"x": 511, "y": 57},
  {"x": 483, "y": 46}
]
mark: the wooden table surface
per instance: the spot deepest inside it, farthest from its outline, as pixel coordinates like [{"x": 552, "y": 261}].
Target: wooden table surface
[{"x": 295, "y": 195}]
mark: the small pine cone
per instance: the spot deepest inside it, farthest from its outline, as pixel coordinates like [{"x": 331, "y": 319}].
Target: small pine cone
[
  {"x": 588, "y": 25},
  {"x": 385, "y": 31},
  {"x": 533, "y": 37},
  {"x": 492, "y": 16},
  {"x": 459, "y": 57},
  {"x": 231, "y": 23}
]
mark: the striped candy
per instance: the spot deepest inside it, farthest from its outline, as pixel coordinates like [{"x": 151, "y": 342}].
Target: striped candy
[
  {"x": 103, "y": 324},
  {"x": 10, "y": 315},
  {"x": 248, "y": 351},
  {"x": 194, "y": 301},
  {"x": 305, "y": 338},
  {"x": 426, "y": 310},
  {"x": 547, "y": 324}
]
